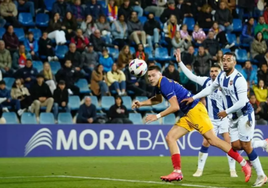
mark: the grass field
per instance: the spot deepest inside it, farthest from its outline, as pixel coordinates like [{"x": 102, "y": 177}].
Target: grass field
[{"x": 115, "y": 172}]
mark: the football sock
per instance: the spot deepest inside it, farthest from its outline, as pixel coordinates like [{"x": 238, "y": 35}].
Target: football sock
[
  {"x": 176, "y": 161},
  {"x": 231, "y": 162},
  {"x": 236, "y": 156},
  {"x": 202, "y": 157},
  {"x": 255, "y": 161},
  {"x": 258, "y": 143}
]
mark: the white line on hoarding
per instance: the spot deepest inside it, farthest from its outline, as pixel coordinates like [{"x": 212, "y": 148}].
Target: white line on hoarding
[{"x": 111, "y": 179}]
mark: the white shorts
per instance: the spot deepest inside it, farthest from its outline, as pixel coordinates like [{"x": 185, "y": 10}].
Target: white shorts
[
  {"x": 242, "y": 128},
  {"x": 221, "y": 126}
]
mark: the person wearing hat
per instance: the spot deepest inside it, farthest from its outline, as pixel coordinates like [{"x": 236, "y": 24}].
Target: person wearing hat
[
  {"x": 61, "y": 98},
  {"x": 170, "y": 10},
  {"x": 41, "y": 95},
  {"x": 80, "y": 40},
  {"x": 7, "y": 101}
]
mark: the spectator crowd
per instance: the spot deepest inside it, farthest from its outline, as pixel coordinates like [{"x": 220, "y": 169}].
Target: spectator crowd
[{"x": 94, "y": 41}]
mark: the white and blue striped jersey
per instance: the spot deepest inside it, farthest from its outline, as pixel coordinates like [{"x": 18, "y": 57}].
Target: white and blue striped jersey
[
  {"x": 214, "y": 101},
  {"x": 234, "y": 88}
]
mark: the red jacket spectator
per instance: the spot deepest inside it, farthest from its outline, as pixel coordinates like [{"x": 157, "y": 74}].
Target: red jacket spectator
[
  {"x": 265, "y": 15},
  {"x": 80, "y": 41}
]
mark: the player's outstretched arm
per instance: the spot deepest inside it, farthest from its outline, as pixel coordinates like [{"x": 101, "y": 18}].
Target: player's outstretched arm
[
  {"x": 174, "y": 107},
  {"x": 152, "y": 101}
]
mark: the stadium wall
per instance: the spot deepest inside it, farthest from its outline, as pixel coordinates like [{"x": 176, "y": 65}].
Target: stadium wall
[{"x": 99, "y": 140}]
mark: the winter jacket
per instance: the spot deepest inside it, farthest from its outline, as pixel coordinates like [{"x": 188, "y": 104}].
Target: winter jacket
[
  {"x": 263, "y": 76},
  {"x": 134, "y": 26},
  {"x": 259, "y": 27},
  {"x": 75, "y": 58},
  {"x": 125, "y": 11},
  {"x": 223, "y": 16},
  {"x": 17, "y": 93},
  {"x": 61, "y": 96},
  {"x": 258, "y": 48},
  {"x": 202, "y": 20},
  {"x": 78, "y": 12},
  {"x": 167, "y": 12},
  {"x": 102, "y": 27},
  {"x": 79, "y": 42},
  {"x": 69, "y": 75},
  {"x": 99, "y": 43},
  {"x": 5, "y": 93},
  {"x": 40, "y": 91},
  {"x": 182, "y": 44},
  {"x": 90, "y": 59},
  {"x": 261, "y": 94},
  {"x": 43, "y": 50},
  {"x": 252, "y": 78},
  {"x": 174, "y": 75},
  {"x": 115, "y": 76},
  {"x": 11, "y": 41},
  {"x": 31, "y": 46},
  {"x": 26, "y": 72},
  {"x": 107, "y": 63},
  {"x": 61, "y": 8},
  {"x": 19, "y": 60},
  {"x": 118, "y": 112},
  {"x": 212, "y": 45},
  {"x": 95, "y": 10},
  {"x": 202, "y": 64},
  {"x": 5, "y": 59},
  {"x": 53, "y": 26},
  {"x": 119, "y": 30},
  {"x": 85, "y": 112},
  {"x": 94, "y": 83},
  {"x": 150, "y": 25},
  {"x": 245, "y": 34},
  {"x": 6, "y": 8}
]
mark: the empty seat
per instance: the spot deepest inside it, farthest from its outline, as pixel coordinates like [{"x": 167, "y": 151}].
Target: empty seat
[
  {"x": 161, "y": 54},
  {"x": 238, "y": 67},
  {"x": 157, "y": 122},
  {"x": 42, "y": 20},
  {"x": 28, "y": 118},
  {"x": 143, "y": 108},
  {"x": 149, "y": 51},
  {"x": 127, "y": 102},
  {"x": 83, "y": 86},
  {"x": 49, "y": 4},
  {"x": 159, "y": 65},
  {"x": 20, "y": 34},
  {"x": 74, "y": 102},
  {"x": 231, "y": 38},
  {"x": 65, "y": 118},
  {"x": 224, "y": 50},
  {"x": 9, "y": 82},
  {"x": 60, "y": 51},
  {"x": 160, "y": 107},
  {"x": 55, "y": 66},
  {"x": 113, "y": 52},
  {"x": 2, "y": 32},
  {"x": 241, "y": 55},
  {"x": 135, "y": 118},
  {"x": 36, "y": 32},
  {"x": 11, "y": 118},
  {"x": 26, "y": 19},
  {"x": 132, "y": 50},
  {"x": 143, "y": 19},
  {"x": 189, "y": 22},
  {"x": 237, "y": 25},
  {"x": 107, "y": 102},
  {"x": 169, "y": 119},
  {"x": 94, "y": 100},
  {"x": 38, "y": 65},
  {"x": 47, "y": 118}
]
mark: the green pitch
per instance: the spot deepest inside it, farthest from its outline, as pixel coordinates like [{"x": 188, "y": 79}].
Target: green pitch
[{"x": 115, "y": 172}]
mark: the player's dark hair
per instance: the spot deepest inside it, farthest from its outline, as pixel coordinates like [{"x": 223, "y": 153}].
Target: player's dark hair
[
  {"x": 154, "y": 67},
  {"x": 230, "y": 53},
  {"x": 215, "y": 65}
]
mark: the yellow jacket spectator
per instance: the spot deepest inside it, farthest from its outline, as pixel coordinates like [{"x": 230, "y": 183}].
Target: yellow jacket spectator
[
  {"x": 116, "y": 80},
  {"x": 260, "y": 92}
]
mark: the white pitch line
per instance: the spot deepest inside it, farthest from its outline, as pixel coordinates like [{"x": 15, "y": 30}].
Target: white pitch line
[{"x": 111, "y": 179}]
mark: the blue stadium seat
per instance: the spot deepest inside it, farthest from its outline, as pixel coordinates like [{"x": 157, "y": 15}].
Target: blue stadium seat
[
  {"x": 65, "y": 118},
  {"x": 224, "y": 50},
  {"x": 127, "y": 102},
  {"x": 9, "y": 82},
  {"x": 20, "y": 34},
  {"x": 159, "y": 65},
  {"x": 161, "y": 54},
  {"x": 28, "y": 118},
  {"x": 102, "y": 3},
  {"x": 195, "y": 51},
  {"x": 169, "y": 119},
  {"x": 38, "y": 65},
  {"x": 158, "y": 19},
  {"x": 238, "y": 67},
  {"x": 61, "y": 50},
  {"x": 160, "y": 107},
  {"x": 11, "y": 118},
  {"x": 172, "y": 54},
  {"x": 2, "y": 32},
  {"x": 149, "y": 51},
  {"x": 189, "y": 22},
  {"x": 241, "y": 55},
  {"x": 26, "y": 19},
  {"x": 55, "y": 66},
  {"x": 237, "y": 25},
  {"x": 107, "y": 102},
  {"x": 47, "y": 118},
  {"x": 94, "y": 100},
  {"x": 143, "y": 19},
  {"x": 231, "y": 38},
  {"x": 135, "y": 118},
  {"x": 162, "y": 40},
  {"x": 113, "y": 52},
  {"x": 49, "y": 4},
  {"x": 143, "y": 108},
  {"x": 157, "y": 122},
  {"x": 132, "y": 49},
  {"x": 41, "y": 20},
  {"x": 37, "y": 33},
  {"x": 83, "y": 86},
  {"x": 74, "y": 102}
]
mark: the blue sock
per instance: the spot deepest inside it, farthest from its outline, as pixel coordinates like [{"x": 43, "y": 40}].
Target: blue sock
[
  {"x": 252, "y": 156},
  {"x": 204, "y": 149}
]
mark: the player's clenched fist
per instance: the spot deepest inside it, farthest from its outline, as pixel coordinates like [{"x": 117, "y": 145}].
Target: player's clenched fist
[{"x": 136, "y": 104}]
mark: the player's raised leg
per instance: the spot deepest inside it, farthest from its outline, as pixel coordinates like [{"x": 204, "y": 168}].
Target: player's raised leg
[
  {"x": 173, "y": 135},
  {"x": 202, "y": 158},
  {"x": 260, "y": 144}
]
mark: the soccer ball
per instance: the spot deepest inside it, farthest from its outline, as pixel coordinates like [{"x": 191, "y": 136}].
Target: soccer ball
[{"x": 138, "y": 67}]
